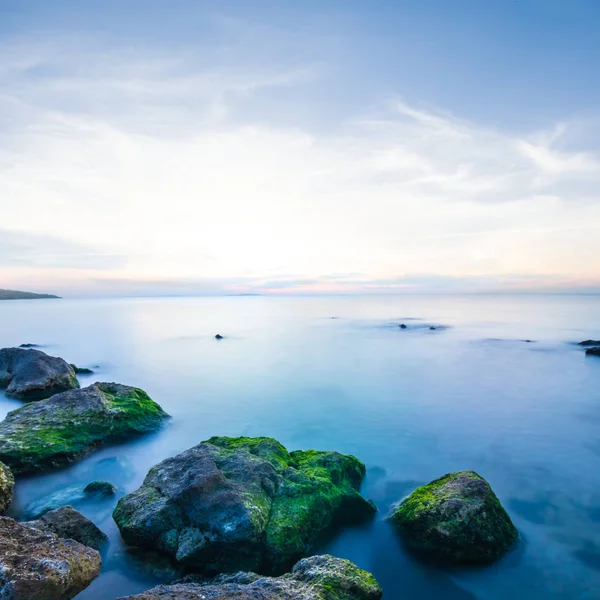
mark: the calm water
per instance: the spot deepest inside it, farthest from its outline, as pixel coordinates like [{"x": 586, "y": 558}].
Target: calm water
[{"x": 338, "y": 373}]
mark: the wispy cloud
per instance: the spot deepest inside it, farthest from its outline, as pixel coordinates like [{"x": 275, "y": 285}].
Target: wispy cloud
[{"x": 160, "y": 167}]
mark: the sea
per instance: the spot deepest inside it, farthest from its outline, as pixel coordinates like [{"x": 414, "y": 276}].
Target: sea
[{"x": 499, "y": 386}]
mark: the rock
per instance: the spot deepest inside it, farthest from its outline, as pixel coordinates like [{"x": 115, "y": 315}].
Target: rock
[
  {"x": 432, "y": 328},
  {"x": 593, "y": 351},
  {"x": 403, "y": 326},
  {"x": 29, "y": 346},
  {"x": 242, "y": 503},
  {"x": 100, "y": 488},
  {"x": 33, "y": 375},
  {"x": 316, "y": 578},
  {"x": 7, "y": 486},
  {"x": 218, "y": 336},
  {"x": 590, "y": 343},
  {"x": 37, "y": 565},
  {"x": 456, "y": 519},
  {"x": 66, "y": 522},
  {"x": 81, "y": 370},
  {"x": 57, "y": 431}
]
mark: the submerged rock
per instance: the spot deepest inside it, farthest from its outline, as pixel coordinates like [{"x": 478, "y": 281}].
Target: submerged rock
[
  {"x": 316, "y": 578},
  {"x": 218, "y": 336},
  {"x": 81, "y": 370},
  {"x": 403, "y": 326},
  {"x": 37, "y": 565},
  {"x": 33, "y": 375},
  {"x": 57, "y": 431},
  {"x": 593, "y": 351},
  {"x": 100, "y": 488},
  {"x": 7, "y": 486},
  {"x": 457, "y": 519},
  {"x": 590, "y": 343},
  {"x": 66, "y": 522},
  {"x": 242, "y": 503}
]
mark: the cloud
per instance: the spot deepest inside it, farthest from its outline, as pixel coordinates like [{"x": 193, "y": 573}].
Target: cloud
[{"x": 159, "y": 167}]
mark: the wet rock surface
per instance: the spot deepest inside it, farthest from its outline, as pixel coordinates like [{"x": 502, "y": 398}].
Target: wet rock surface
[
  {"x": 233, "y": 504},
  {"x": 29, "y": 374},
  {"x": 457, "y": 519},
  {"x": 57, "y": 431},
  {"x": 66, "y": 522},
  {"x": 316, "y": 578},
  {"x": 37, "y": 565}
]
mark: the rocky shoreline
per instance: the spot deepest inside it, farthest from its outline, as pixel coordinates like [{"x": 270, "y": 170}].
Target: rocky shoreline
[{"x": 235, "y": 513}]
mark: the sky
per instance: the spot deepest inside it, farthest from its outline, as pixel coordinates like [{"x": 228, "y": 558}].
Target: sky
[{"x": 279, "y": 147}]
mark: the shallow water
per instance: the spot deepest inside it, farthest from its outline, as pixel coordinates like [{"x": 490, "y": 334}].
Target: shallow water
[{"x": 338, "y": 373}]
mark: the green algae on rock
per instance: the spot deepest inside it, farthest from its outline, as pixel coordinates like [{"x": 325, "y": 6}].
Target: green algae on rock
[
  {"x": 57, "y": 431},
  {"x": 456, "y": 519},
  {"x": 316, "y": 578},
  {"x": 29, "y": 374},
  {"x": 100, "y": 488},
  {"x": 7, "y": 486},
  {"x": 232, "y": 504}
]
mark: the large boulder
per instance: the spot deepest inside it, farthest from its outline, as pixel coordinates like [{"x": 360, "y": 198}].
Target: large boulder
[
  {"x": 36, "y": 565},
  {"x": 57, "y": 431},
  {"x": 242, "y": 503},
  {"x": 33, "y": 375},
  {"x": 315, "y": 578},
  {"x": 7, "y": 486},
  {"x": 66, "y": 522},
  {"x": 456, "y": 519}
]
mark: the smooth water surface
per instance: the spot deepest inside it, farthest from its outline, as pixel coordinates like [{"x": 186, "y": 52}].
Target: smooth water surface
[{"x": 338, "y": 373}]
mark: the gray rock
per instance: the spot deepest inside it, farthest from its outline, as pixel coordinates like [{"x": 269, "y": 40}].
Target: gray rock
[
  {"x": 33, "y": 375},
  {"x": 590, "y": 343},
  {"x": 81, "y": 370},
  {"x": 59, "y": 430},
  {"x": 316, "y": 578},
  {"x": 242, "y": 503},
  {"x": 218, "y": 336},
  {"x": 593, "y": 351},
  {"x": 402, "y": 326},
  {"x": 7, "y": 486},
  {"x": 66, "y": 522},
  {"x": 37, "y": 565}
]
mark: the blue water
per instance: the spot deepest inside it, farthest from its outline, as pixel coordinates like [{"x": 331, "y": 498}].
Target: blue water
[{"x": 338, "y": 373}]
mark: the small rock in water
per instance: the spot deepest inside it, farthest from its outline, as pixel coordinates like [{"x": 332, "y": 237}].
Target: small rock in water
[
  {"x": 456, "y": 519},
  {"x": 38, "y": 565},
  {"x": 590, "y": 343},
  {"x": 7, "y": 486},
  {"x": 593, "y": 351},
  {"x": 218, "y": 336},
  {"x": 29, "y": 374},
  {"x": 403, "y": 326},
  {"x": 100, "y": 488},
  {"x": 66, "y": 522},
  {"x": 321, "y": 577},
  {"x": 82, "y": 370},
  {"x": 432, "y": 328},
  {"x": 29, "y": 346}
]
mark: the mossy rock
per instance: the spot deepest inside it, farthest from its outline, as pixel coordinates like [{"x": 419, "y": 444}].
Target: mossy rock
[
  {"x": 7, "y": 486},
  {"x": 232, "y": 504},
  {"x": 57, "y": 431},
  {"x": 456, "y": 519},
  {"x": 316, "y": 578},
  {"x": 100, "y": 488}
]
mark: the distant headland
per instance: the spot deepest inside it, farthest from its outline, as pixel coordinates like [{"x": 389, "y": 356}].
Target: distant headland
[{"x": 15, "y": 295}]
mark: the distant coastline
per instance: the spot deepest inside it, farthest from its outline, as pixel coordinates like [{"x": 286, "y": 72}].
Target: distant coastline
[{"x": 16, "y": 295}]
